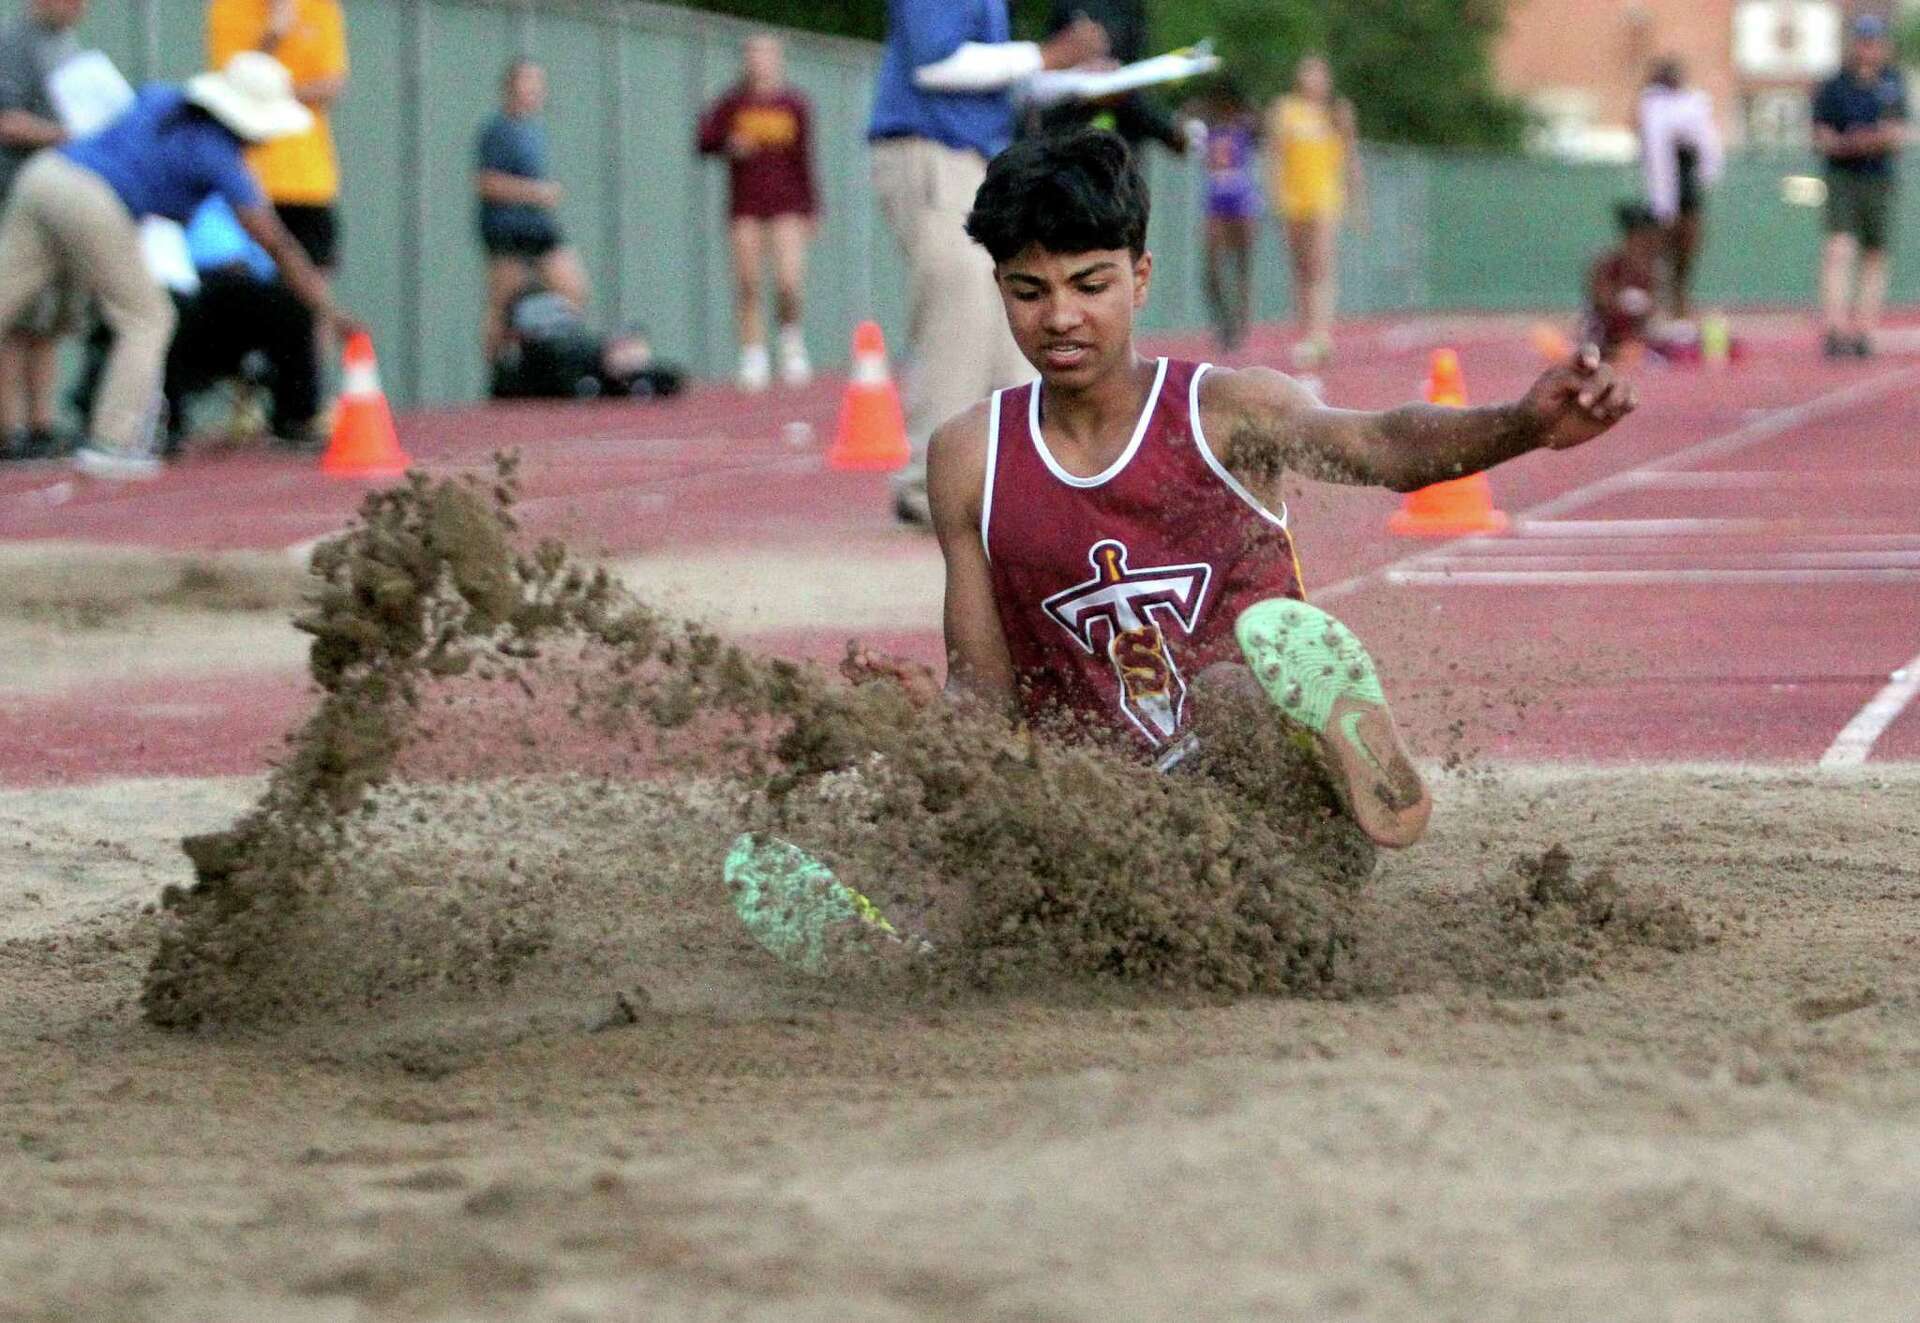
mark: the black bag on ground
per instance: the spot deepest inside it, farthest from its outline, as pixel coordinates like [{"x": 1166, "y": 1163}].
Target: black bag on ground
[{"x": 551, "y": 354}]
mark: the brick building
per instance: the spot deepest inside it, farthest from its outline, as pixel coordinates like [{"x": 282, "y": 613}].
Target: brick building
[{"x": 1580, "y": 63}]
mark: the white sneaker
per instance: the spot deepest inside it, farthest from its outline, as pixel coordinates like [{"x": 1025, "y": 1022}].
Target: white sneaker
[
  {"x": 756, "y": 369},
  {"x": 116, "y": 466},
  {"x": 795, "y": 368}
]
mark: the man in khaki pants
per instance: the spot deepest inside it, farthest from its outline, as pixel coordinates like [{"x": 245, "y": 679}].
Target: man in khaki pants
[
  {"x": 76, "y": 209},
  {"x": 940, "y": 113}
]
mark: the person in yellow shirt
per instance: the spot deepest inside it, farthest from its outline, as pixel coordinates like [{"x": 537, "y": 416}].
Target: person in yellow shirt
[
  {"x": 1314, "y": 177},
  {"x": 301, "y": 174}
]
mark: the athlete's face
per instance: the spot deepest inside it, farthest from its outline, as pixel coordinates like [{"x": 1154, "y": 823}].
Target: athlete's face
[{"x": 1072, "y": 313}]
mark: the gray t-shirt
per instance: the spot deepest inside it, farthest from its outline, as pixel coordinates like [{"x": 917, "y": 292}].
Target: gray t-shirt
[{"x": 28, "y": 53}]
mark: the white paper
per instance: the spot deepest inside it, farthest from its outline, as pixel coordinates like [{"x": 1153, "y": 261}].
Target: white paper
[
  {"x": 1076, "y": 85},
  {"x": 88, "y": 93}
]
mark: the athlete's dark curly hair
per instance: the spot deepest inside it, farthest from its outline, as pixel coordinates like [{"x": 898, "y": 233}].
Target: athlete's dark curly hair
[{"x": 1076, "y": 192}]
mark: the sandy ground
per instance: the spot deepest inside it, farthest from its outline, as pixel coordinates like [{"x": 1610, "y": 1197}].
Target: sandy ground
[
  {"x": 73, "y": 614},
  {"x": 1732, "y": 1133}
]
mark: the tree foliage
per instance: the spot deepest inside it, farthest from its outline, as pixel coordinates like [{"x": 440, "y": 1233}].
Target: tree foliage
[{"x": 1417, "y": 71}]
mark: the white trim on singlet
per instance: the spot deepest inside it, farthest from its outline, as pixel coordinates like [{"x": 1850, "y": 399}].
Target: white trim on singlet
[
  {"x": 1234, "y": 484},
  {"x": 993, "y": 465},
  {"x": 1114, "y": 469}
]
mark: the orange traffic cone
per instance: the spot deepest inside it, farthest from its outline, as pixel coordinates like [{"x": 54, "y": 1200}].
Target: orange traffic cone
[
  {"x": 872, "y": 436},
  {"x": 1458, "y": 507},
  {"x": 363, "y": 444},
  {"x": 1549, "y": 342}
]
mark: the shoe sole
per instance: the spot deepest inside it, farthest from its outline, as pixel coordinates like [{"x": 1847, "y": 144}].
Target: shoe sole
[
  {"x": 797, "y": 909},
  {"x": 1316, "y": 672}
]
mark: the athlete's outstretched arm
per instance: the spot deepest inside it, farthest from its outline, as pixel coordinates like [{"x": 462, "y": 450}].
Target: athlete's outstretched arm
[
  {"x": 978, "y": 665},
  {"x": 1263, "y": 423}
]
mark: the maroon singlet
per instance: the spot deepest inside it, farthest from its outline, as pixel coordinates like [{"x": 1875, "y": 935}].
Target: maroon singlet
[{"x": 1115, "y": 591}]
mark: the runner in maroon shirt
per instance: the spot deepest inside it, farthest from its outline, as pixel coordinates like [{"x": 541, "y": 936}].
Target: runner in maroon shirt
[
  {"x": 1114, "y": 534},
  {"x": 764, "y": 129}
]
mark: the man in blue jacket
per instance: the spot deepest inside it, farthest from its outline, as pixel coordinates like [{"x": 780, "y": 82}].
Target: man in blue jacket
[{"x": 941, "y": 111}]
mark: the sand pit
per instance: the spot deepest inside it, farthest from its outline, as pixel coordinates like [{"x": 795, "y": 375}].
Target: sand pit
[
  {"x": 456, "y": 1022},
  {"x": 1726, "y": 1133}
]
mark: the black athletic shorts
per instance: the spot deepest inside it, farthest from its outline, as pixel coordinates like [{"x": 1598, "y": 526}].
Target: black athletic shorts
[
  {"x": 527, "y": 244},
  {"x": 315, "y": 228}
]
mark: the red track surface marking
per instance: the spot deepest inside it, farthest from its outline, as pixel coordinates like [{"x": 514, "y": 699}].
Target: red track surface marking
[{"x": 1811, "y": 457}]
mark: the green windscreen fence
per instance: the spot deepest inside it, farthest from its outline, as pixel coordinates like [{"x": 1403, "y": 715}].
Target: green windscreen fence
[{"x": 1446, "y": 230}]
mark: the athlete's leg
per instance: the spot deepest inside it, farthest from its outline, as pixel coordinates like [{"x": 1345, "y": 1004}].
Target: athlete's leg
[
  {"x": 1302, "y": 254},
  {"x": 1872, "y": 296},
  {"x": 507, "y": 276},
  {"x": 1683, "y": 242},
  {"x": 959, "y": 346},
  {"x": 1241, "y": 233},
  {"x": 1325, "y": 233},
  {"x": 1316, "y": 672},
  {"x": 791, "y": 235},
  {"x": 747, "y": 237},
  {"x": 14, "y": 351},
  {"x": 1836, "y": 283},
  {"x": 1217, "y": 243},
  {"x": 561, "y": 271}
]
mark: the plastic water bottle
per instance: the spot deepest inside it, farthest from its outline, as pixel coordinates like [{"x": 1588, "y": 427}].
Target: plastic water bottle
[{"x": 1716, "y": 339}]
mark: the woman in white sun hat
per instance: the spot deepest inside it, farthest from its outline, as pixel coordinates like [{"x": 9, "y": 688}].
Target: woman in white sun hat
[{"x": 77, "y": 209}]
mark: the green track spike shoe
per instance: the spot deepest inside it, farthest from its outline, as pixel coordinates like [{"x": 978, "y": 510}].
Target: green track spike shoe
[
  {"x": 1315, "y": 671},
  {"x": 796, "y": 908}
]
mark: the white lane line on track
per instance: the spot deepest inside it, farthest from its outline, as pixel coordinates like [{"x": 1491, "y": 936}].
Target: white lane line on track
[
  {"x": 1771, "y": 478},
  {"x": 1639, "y": 578},
  {"x": 1577, "y": 558},
  {"x": 1613, "y": 551},
  {"x": 1715, "y": 447},
  {"x": 1613, "y": 528},
  {"x": 1857, "y": 738}
]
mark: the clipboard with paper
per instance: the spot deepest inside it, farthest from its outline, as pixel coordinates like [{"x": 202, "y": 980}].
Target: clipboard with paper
[{"x": 1055, "y": 86}]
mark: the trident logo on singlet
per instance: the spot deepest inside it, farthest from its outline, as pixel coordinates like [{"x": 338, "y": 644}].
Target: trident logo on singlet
[{"x": 1132, "y": 605}]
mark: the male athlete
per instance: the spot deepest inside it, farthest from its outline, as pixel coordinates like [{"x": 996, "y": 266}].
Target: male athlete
[
  {"x": 1114, "y": 535},
  {"x": 1114, "y": 531}
]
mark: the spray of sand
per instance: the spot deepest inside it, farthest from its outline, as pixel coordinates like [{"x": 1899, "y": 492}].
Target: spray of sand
[{"x": 519, "y": 782}]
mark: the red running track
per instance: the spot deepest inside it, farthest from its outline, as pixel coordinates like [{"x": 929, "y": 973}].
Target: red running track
[{"x": 1732, "y": 575}]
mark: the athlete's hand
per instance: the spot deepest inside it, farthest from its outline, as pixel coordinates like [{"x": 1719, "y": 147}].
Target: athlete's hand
[
  {"x": 1575, "y": 401},
  {"x": 916, "y": 681}
]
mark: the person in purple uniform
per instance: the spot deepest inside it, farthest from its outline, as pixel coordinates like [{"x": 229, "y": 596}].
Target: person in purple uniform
[{"x": 1233, "y": 211}]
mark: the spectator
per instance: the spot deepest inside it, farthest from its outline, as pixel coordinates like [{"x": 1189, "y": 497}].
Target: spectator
[
  {"x": 1134, "y": 117},
  {"x": 77, "y": 209},
  {"x": 1859, "y": 126},
  {"x": 237, "y": 323},
  {"x": 1620, "y": 286},
  {"x": 300, "y": 174},
  {"x": 1233, "y": 210},
  {"x": 1681, "y": 157},
  {"x": 31, "y": 48},
  {"x": 764, "y": 129},
  {"x": 517, "y": 201},
  {"x": 1315, "y": 175},
  {"x": 941, "y": 110},
  {"x": 551, "y": 354}
]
